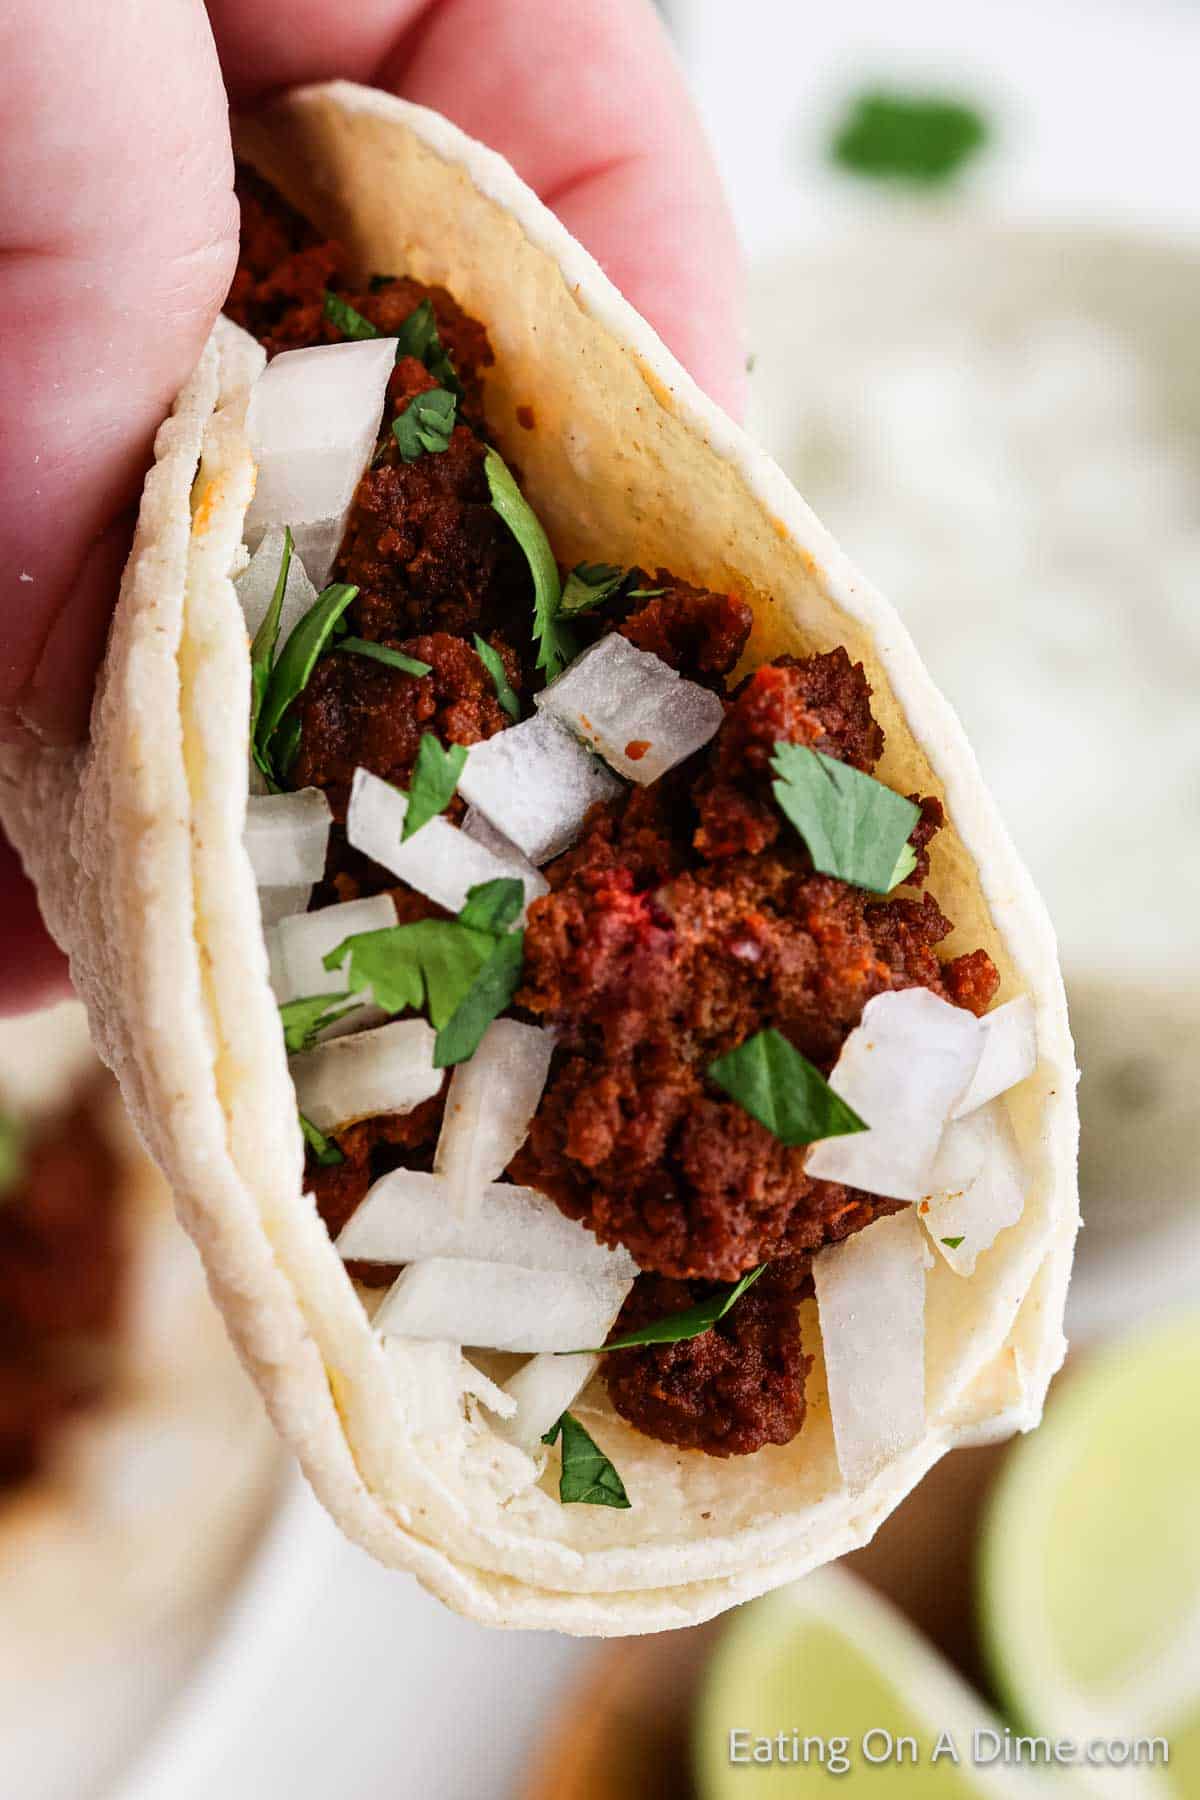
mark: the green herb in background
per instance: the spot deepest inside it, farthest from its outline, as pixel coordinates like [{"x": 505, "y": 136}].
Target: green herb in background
[
  {"x": 12, "y": 1153},
  {"x": 919, "y": 138},
  {"x": 395, "y": 659},
  {"x": 587, "y": 1477},
  {"x": 340, "y": 313},
  {"x": 426, "y": 425}
]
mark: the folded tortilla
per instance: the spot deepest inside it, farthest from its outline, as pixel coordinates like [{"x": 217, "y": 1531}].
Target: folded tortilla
[{"x": 136, "y": 846}]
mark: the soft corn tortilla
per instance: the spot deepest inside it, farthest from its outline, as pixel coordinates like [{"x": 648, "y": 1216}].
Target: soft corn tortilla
[{"x": 136, "y": 848}]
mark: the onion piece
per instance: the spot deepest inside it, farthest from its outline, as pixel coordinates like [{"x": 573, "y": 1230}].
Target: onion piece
[
  {"x": 282, "y": 903},
  {"x": 902, "y": 1070},
  {"x": 541, "y": 1390},
  {"x": 312, "y": 422},
  {"x": 633, "y": 708},
  {"x": 297, "y": 945},
  {"x": 495, "y": 1306},
  {"x": 256, "y": 586},
  {"x": 439, "y": 859},
  {"x": 389, "y": 1070},
  {"x": 871, "y": 1300},
  {"x": 492, "y": 1098},
  {"x": 406, "y": 1218},
  {"x": 979, "y": 1187},
  {"x": 534, "y": 783},
  {"x": 286, "y": 837},
  {"x": 1008, "y": 1055}
]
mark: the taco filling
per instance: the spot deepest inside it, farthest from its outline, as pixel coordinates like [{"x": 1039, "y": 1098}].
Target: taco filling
[
  {"x": 609, "y": 969},
  {"x": 63, "y": 1267}
]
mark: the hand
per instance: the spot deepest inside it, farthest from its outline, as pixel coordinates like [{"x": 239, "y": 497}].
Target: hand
[{"x": 118, "y": 238}]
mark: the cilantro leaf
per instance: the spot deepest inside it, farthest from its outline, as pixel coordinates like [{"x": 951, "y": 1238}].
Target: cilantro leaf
[
  {"x": 854, "y": 826},
  {"x": 418, "y": 336},
  {"x": 586, "y": 1478},
  {"x": 303, "y": 1020},
  {"x": 494, "y": 664},
  {"x": 484, "y": 1001},
  {"x": 644, "y": 593},
  {"x": 493, "y": 905},
  {"x": 770, "y": 1080},
  {"x": 678, "y": 1328},
  {"x": 323, "y": 1148},
  {"x": 919, "y": 138},
  {"x": 395, "y": 659},
  {"x": 340, "y": 313},
  {"x": 262, "y": 653},
  {"x": 951, "y": 1243},
  {"x": 12, "y": 1153},
  {"x": 434, "y": 779},
  {"x": 587, "y": 585},
  {"x": 465, "y": 970},
  {"x": 297, "y": 660},
  {"x": 556, "y": 645},
  {"x": 426, "y": 424}
]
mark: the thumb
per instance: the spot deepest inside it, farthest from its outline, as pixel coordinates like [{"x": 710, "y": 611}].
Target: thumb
[{"x": 118, "y": 237}]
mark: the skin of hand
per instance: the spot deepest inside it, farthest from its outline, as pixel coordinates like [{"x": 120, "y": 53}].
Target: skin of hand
[{"x": 118, "y": 239}]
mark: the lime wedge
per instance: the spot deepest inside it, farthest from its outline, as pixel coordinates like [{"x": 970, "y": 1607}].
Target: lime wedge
[
  {"x": 1091, "y": 1561},
  {"x": 827, "y": 1670}
]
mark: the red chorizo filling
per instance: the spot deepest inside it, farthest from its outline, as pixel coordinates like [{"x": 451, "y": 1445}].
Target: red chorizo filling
[
  {"x": 687, "y": 919},
  {"x": 62, "y": 1282}
]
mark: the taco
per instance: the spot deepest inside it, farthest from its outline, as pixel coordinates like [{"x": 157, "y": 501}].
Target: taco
[
  {"x": 607, "y": 1049},
  {"x": 134, "y": 1464}
]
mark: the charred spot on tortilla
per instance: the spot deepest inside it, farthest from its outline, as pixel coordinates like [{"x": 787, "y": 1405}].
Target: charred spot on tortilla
[{"x": 714, "y": 912}]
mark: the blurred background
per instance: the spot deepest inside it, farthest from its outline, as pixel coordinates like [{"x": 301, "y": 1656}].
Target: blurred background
[{"x": 974, "y": 244}]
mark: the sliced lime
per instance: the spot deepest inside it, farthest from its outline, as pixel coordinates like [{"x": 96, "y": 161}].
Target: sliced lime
[
  {"x": 828, "y": 1661},
  {"x": 1091, "y": 1559}
]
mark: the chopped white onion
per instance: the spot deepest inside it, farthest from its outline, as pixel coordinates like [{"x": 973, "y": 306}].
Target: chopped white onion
[
  {"x": 534, "y": 782},
  {"x": 439, "y": 859},
  {"x": 495, "y": 1306},
  {"x": 256, "y": 586},
  {"x": 297, "y": 945},
  {"x": 281, "y": 903},
  {"x": 1009, "y": 1054},
  {"x": 541, "y": 1391},
  {"x": 979, "y": 1187},
  {"x": 286, "y": 837},
  {"x": 871, "y": 1300},
  {"x": 389, "y": 1070},
  {"x": 312, "y": 422},
  {"x": 406, "y": 1218},
  {"x": 492, "y": 1098},
  {"x": 902, "y": 1070},
  {"x": 632, "y": 707}
]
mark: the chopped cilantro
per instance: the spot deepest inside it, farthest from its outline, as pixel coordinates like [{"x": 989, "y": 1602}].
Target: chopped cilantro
[
  {"x": 644, "y": 593},
  {"x": 395, "y": 659},
  {"x": 951, "y": 1243},
  {"x": 425, "y": 425},
  {"x": 304, "y": 1020},
  {"x": 323, "y": 1148},
  {"x": 692, "y": 1322},
  {"x": 586, "y": 1478},
  {"x": 854, "y": 826},
  {"x": 770, "y": 1080},
  {"x": 493, "y": 662},
  {"x": 418, "y": 336},
  {"x": 262, "y": 654},
  {"x": 294, "y": 666},
  {"x": 341, "y": 314},
  {"x": 588, "y": 585},
  {"x": 434, "y": 779},
  {"x": 12, "y": 1153},
  {"x": 465, "y": 969},
  {"x": 920, "y": 138},
  {"x": 556, "y": 645}
]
